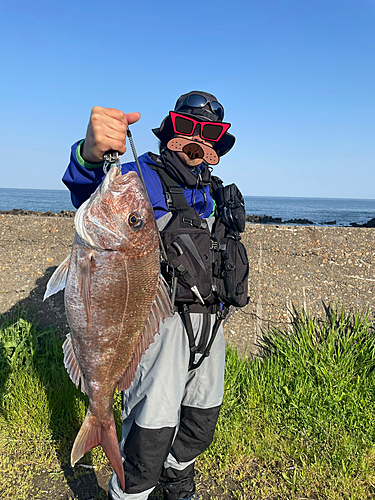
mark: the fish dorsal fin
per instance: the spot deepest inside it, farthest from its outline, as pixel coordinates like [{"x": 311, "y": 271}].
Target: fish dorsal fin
[
  {"x": 58, "y": 279},
  {"x": 161, "y": 308},
  {"x": 71, "y": 364}
]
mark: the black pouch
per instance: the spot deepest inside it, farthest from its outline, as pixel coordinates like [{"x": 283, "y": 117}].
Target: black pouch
[
  {"x": 231, "y": 205},
  {"x": 231, "y": 267},
  {"x": 189, "y": 260}
]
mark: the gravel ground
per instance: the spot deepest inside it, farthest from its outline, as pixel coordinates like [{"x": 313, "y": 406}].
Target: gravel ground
[
  {"x": 289, "y": 266},
  {"x": 302, "y": 266},
  {"x": 31, "y": 247}
]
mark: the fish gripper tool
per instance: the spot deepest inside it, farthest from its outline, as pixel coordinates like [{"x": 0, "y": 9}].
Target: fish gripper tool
[{"x": 111, "y": 158}]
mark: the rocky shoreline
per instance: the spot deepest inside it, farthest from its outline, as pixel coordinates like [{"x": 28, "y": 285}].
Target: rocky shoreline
[
  {"x": 20, "y": 211},
  {"x": 254, "y": 218},
  {"x": 266, "y": 219}
]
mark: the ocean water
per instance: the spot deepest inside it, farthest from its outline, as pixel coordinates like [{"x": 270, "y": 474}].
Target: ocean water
[
  {"x": 43, "y": 200},
  {"x": 317, "y": 210}
]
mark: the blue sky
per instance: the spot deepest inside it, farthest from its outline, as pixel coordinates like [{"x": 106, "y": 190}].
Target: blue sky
[{"x": 296, "y": 78}]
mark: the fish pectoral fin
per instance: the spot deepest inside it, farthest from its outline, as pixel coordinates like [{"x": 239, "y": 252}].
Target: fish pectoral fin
[
  {"x": 161, "y": 308},
  {"x": 58, "y": 279},
  {"x": 71, "y": 364}
]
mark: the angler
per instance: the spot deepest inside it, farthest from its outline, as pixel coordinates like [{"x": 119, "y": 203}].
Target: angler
[{"x": 172, "y": 406}]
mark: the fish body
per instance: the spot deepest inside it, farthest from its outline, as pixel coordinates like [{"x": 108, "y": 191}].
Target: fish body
[{"x": 115, "y": 300}]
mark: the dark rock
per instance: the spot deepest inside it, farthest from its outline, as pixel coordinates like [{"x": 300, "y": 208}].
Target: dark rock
[
  {"x": 328, "y": 223},
  {"x": 263, "y": 219},
  {"x": 370, "y": 223},
  {"x": 305, "y": 222},
  {"x": 266, "y": 219},
  {"x": 66, "y": 213}
]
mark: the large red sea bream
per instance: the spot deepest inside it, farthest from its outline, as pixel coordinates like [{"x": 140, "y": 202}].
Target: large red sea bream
[{"x": 115, "y": 300}]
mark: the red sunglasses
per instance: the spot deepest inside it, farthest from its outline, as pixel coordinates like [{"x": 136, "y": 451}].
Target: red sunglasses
[{"x": 210, "y": 131}]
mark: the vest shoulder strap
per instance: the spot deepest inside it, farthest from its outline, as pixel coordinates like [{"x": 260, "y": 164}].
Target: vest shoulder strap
[{"x": 174, "y": 195}]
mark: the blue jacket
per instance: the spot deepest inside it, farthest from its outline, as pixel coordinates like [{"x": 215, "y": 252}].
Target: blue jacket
[{"x": 82, "y": 178}]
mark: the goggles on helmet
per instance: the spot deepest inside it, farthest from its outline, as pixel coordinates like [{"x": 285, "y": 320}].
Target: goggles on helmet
[
  {"x": 198, "y": 101},
  {"x": 209, "y": 131}
]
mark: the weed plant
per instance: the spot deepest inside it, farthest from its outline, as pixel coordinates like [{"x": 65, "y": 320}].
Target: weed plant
[{"x": 296, "y": 422}]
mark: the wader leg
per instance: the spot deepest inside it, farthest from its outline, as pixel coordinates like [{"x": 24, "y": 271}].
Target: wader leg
[
  {"x": 151, "y": 411},
  {"x": 169, "y": 412},
  {"x": 199, "y": 413},
  {"x": 194, "y": 436}
]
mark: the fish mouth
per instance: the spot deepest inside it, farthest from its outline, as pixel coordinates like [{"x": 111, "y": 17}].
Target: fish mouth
[
  {"x": 117, "y": 183},
  {"x": 124, "y": 190},
  {"x": 115, "y": 177}
]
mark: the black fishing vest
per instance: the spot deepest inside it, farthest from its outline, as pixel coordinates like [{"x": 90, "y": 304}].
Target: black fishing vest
[{"x": 207, "y": 270}]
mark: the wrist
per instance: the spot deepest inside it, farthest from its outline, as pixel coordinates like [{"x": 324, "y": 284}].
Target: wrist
[{"x": 82, "y": 161}]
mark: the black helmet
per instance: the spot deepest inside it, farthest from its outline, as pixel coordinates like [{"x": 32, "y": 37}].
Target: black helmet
[{"x": 202, "y": 107}]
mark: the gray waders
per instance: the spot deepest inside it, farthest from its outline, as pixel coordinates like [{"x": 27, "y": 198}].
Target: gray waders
[{"x": 170, "y": 411}]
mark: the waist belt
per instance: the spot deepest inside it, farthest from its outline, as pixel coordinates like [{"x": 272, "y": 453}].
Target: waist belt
[{"x": 197, "y": 308}]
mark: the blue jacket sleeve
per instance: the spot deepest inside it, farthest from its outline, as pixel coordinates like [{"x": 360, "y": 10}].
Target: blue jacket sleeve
[{"x": 81, "y": 178}]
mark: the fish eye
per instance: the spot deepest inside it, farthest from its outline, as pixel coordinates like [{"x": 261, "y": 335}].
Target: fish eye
[{"x": 135, "y": 220}]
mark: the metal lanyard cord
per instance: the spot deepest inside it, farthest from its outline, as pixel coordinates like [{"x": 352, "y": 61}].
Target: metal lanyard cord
[{"x": 130, "y": 137}]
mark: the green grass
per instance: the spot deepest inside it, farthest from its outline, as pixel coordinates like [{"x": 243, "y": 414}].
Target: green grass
[
  {"x": 40, "y": 408},
  {"x": 297, "y": 423},
  {"x": 300, "y": 423}
]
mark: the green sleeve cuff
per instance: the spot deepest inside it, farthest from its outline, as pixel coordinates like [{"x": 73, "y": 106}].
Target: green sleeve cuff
[
  {"x": 84, "y": 163},
  {"x": 214, "y": 209}
]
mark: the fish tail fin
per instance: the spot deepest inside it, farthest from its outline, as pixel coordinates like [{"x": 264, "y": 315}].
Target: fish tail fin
[{"x": 91, "y": 434}]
